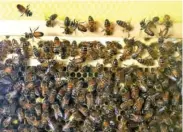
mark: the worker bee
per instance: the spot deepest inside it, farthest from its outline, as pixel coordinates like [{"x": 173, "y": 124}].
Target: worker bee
[
  {"x": 67, "y": 23},
  {"x": 52, "y": 96},
  {"x": 51, "y": 19},
  {"x": 73, "y": 50},
  {"x": 24, "y": 10},
  {"x": 147, "y": 104},
  {"x": 176, "y": 98},
  {"x": 89, "y": 100},
  {"x": 38, "y": 109},
  {"x": 34, "y": 34},
  {"x": 108, "y": 27},
  {"x": 66, "y": 100},
  {"x": 76, "y": 25},
  {"x": 147, "y": 61},
  {"x": 136, "y": 118},
  {"x": 20, "y": 114},
  {"x": 92, "y": 53},
  {"x": 36, "y": 52},
  {"x": 152, "y": 52},
  {"x": 124, "y": 25},
  {"x": 115, "y": 63},
  {"x": 57, "y": 111},
  {"x": 125, "y": 93},
  {"x": 147, "y": 27},
  {"x": 148, "y": 114},
  {"x": 6, "y": 122},
  {"x": 127, "y": 104},
  {"x": 138, "y": 104},
  {"x": 83, "y": 110},
  {"x": 91, "y": 24},
  {"x": 63, "y": 51},
  {"x": 134, "y": 91}
]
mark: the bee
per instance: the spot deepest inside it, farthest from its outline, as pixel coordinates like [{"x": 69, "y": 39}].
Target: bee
[
  {"x": 91, "y": 24},
  {"x": 66, "y": 27},
  {"x": 152, "y": 52},
  {"x": 57, "y": 111},
  {"x": 24, "y": 10},
  {"x": 38, "y": 109},
  {"x": 148, "y": 114},
  {"x": 147, "y": 27},
  {"x": 20, "y": 114},
  {"x": 74, "y": 51},
  {"x": 108, "y": 27},
  {"x": 127, "y": 104},
  {"x": 91, "y": 85},
  {"x": 61, "y": 94},
  {"x": 125, "y": 93},
  {"x": 52, "y": 96},
  {"x": 51, "y": 19},
  {"x": 147, "y": 62},
  {"x": 113, "y": 44},
  {"x": 92, "y": 53},
  {"x": 6, "y": 122},
  {"x": 136, "y": 118},
  {"x": 83, "y": 110},
  {"x": 78, "y": 60},
  {"x": 76, "y": 25},
  {"x": 89, "y": 100},
  {"x": 44, "y": 117},
  {"x": 165, "y": 97},
  {"x": 176, "y": 98},
  {"x": 138, "y": 104},
  {"x": 134, "y": 91},
  {"x": 44, "y": 89},
  {"x": 124, "y": 25},
  {"x": 63, "y": 51},
  {"x": 147, "y": 104},
  {"x": 66, "y": 100},
  {"x": 34, "y": 34}
]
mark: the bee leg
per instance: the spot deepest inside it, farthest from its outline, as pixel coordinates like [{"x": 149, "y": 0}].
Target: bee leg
[
  {"x": 22, "y": 14},
  {"x": 36, "y": 29}
]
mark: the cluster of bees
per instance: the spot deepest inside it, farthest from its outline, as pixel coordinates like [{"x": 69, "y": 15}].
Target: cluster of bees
[
  {"x": 54, "y": 96},
  {"x": 74, "y": 97}
]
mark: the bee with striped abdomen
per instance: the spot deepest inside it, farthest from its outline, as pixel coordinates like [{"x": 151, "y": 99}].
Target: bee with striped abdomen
[
  {"x": 51, "y": 20},
  {"x": 24, "y": 10},
  {"x": 34, "y": 34},
  {"x": 108, "y": 27},
  {"x": 91, "y": 24}
]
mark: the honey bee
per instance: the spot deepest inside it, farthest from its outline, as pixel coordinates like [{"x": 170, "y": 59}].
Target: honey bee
[
  {"x": 138, "y": 104},
  {"x": 91, "y": 24},
  {"x": 176, "y": 98},
  {"x": 125, "y": 93},
  {"x": 127, "y": 104},
  {"x": 134, "y": 91},
  {"x": 89, "y": 100},
  {"x": 147, "y": 104},
  {"x": 136, "y": 118},
  {"x": 152, "y": 52},
  {"x": 74, "y": 51},
  {"x": 6, "y": 122},
  {"x": 36, "y": 52},
  {"x": 66, "y": 100},
  {"x": 63, "y": 52},
  {"x": 44, "y": 89},
  {"x": 52, "y": 96},
  {"x": 92, "y": 53},
  {"x": 67, "y": 23},
  {"x": 148, "y": 114},
  {"x": 108, "y": 27},
  {"x": 76, "y": 25},
  {"x": 147, "y": 27},
  {"x": 51, "y": 19},
  {"x": 78, "y": 60},
  {"x": 34, "y": 34},
  {"x": 83, "y": 110},
  {"x": 20, "y": 114},
  {"x": 57, "y": 111},
  {"x": 147, "y": 61},
  {"x": 38, "y": 109},
  {"x": 124, "y": 25},
  {"x": 24, "y": 10}
]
